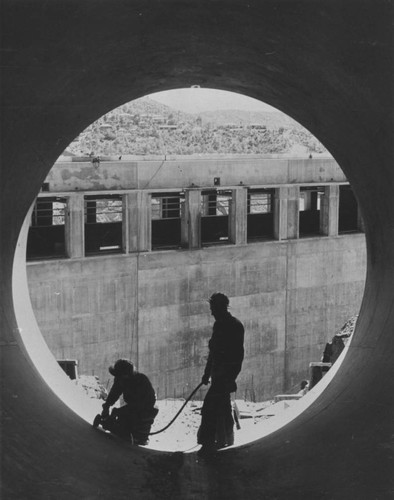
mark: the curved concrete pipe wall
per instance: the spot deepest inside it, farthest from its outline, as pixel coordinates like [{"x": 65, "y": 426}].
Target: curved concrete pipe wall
[{"x": 327, "y": 64}]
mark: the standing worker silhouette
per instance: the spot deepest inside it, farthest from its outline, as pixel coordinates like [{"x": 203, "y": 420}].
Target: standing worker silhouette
[{"x": 226, "y": 353}]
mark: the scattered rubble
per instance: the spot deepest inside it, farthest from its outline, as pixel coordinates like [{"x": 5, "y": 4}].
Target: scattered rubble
[
  {"x": 182, "y": 434},
  {"x": 347, "y": 330},
  {"x": 90, "y": 384}
]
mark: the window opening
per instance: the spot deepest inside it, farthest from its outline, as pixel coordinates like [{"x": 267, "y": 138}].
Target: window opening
[
  {"x": 348, "y": 211},
  {"x": 260, "y": 218},
  {"x": 103, "y": 224},
  {"x": 46, "y": 237},
  {"x": 309, "y": 210},
  {"x": 215, "y": 209},
  {"x": 70, "y": 367},
  {"x": 167, "y": 210}
]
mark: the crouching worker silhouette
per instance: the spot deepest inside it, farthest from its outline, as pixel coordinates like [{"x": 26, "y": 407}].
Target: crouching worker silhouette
[
  {"x": 132, "y": 421},
  {"x": 226, "y": 353}
]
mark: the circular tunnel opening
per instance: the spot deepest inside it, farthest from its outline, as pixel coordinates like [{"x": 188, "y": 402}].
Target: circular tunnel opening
[
  {"x": 103, "y": 213},
  {"x": 307, "y": 62}
]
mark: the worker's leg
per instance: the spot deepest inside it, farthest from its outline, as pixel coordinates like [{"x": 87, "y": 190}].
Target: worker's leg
[
  {"x": 224, "y": 421},
  {"x": 207, "y": 431},
  {"x": 141, "y": 426},
  {"x": 121, "y": 422}
]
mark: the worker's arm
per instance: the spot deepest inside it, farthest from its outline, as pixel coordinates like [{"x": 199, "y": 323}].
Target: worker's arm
[{"x": 113, "y": 396}]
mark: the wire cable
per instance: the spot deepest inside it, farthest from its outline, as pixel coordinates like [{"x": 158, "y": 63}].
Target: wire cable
[{"x": 179, "y": 411}]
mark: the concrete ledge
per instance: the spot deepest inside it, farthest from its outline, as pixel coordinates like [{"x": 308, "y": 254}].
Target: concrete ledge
[{"x": 284, "y": 397}]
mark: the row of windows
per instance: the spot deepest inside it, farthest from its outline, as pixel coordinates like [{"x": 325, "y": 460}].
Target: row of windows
[{"x": 103, "y": 220}]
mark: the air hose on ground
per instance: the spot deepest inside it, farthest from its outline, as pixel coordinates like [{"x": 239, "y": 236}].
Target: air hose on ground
[{"x": 179, "y": 411}]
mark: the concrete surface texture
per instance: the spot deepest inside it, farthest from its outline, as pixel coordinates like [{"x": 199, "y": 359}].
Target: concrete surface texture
[
  {"x": 291, "y": 296},
  {"x": 329, "y": 65},
  {"x": 172, "y": 173}
]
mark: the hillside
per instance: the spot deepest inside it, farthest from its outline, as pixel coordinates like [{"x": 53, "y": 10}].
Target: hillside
[
  {"x": 243, "y": 118},
  {"x": 145, "y": 126}
]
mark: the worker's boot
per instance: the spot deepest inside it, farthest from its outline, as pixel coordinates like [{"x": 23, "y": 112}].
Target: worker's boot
[{"x": 207, "y": 450}]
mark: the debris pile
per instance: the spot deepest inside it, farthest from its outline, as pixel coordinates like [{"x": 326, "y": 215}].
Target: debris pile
[
  {"x": 90, "y": 384},
  {"x": 347, "y": 330}
]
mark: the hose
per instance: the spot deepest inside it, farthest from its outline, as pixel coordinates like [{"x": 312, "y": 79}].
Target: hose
[{"x": 176, "y": 416}]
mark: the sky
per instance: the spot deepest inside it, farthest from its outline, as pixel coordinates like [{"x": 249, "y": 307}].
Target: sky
[{"x": 197, "y": 100}]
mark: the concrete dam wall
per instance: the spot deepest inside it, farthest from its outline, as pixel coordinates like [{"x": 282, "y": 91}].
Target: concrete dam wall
[{"x": 292, "y": 294}]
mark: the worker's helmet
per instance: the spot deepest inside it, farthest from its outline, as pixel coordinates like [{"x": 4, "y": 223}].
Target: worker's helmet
[
  {"x": 219, "y": 300},
  {"x": 121, "y": 367}
]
